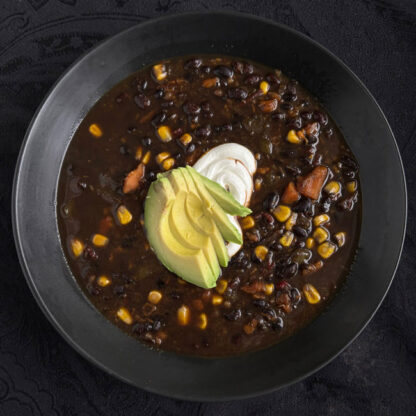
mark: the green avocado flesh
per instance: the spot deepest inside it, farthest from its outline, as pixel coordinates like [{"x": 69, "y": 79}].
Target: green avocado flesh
[{"x": 187, "y": 225}]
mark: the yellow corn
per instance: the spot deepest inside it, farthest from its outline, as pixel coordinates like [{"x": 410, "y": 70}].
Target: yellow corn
[
  {"x": 124, "y": 215},
  {"x": 77, "y": 247},
  {"x": 162, "y": 156},
  {"x": 146, "y": 157},
  {"x": 221, "y": 286},
  {"x": 291, "y": 221},
  {"x": 333, "y": 187},
  {"x": 320, "y": 219},
  {"x": 184, "y": 315},
  {"x": 352, "y": 186},
  {"x": 168, "y": 163},
  {"x": 139, "y": 153},
  {"x": 103, "y": 281},
  {"x": 202, "y": 321},
  {"x": 269, "y": 288},
  {"x": 320, "y": 235},
  {"x": 159, "y": 71},
  {"x": 186, "y": 139},
  {"x": 264, "y": 86},
  {"x": 257, "y": 184},
  {"x": 99, "y": 240},
  {"x": 247, "y": 222},
  {"x": 310, "y": 242},
  {"x": 340, "y": 237},
  {"x": 164, "y": 133},
  {"x": 154, "y": 297},
  {"x": 216, "y": 300},
  {"x": 261, "y": 252},
  {"x": 311, "y": 294},
  {"x": 326, "y": 250},
  {"x": 292, "y": 137},
  {"x": 286, "y": 239},
  {"x": 125, "y": 316},
  {"x": 95, "y": 130},
  {"x": 282, "y": 213}
]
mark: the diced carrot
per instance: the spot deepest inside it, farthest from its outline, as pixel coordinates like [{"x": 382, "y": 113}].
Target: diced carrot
[
  {"x": 290, "y": 195},
  {"x": 132, "y": 180},
  {"x": 254, "y": 287},
  {"x": 311, "y": 184},
  {"x": 105, "y": 224}
]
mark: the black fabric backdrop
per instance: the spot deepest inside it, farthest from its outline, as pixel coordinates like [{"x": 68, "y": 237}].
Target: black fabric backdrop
[{"x": 40, "y": 374}]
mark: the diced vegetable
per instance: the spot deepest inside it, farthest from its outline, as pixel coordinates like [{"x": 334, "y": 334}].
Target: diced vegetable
[
  {"x": 311, "y": 184},
  {"x": 290, "y": 195},
  {"x": 211, "y": 82},
  {"x": 132, "y": 180}
]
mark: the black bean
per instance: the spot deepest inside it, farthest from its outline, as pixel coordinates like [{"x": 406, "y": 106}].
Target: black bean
[
  {"x": 223, "y": 71},
  {"x": 303, "y": 205},
  {"x": 191, "y": 108},
  {"x": 295, "y": 123},
  {"x": 119, "y": 290},
  {"x": 346, "y": 204},
  {"x": 205, "y": 106},
  {"x": 142, "y": 101},
  {"x": 272, "y": 79},
  {"x": 82, "y": 185},
  {"x": 203, "y": 132},
  {"x": 271, "y": 201},
  {"x": 288, "y": 97},
  {"x": 147, "y": 141},
  {"x": 190, "y": 148},
  {"x": 286, "y": 106},
  {"x": 160, "y": 93},
  {"x": 270, "y": 314},
  {"x": 193, "y": 63},
  {"x": 295, "y": 296},
  {"x": 238, "y": 67},
  {"x": 252, "y": 79},
  {"x": 139, "y": 328},
  {"x": 293, "y": 170},
  {"x": 306, "y": 115},
  {"x": 234, "y": 283},
  {"x": 278, "y": 324},
  {"x": 289, "y": 271},
  {"x": 261, "y": 303},
  {"x": 325, "y": 205},
  {"x": 237, "y": 93},
  {"x": 90, "y": 253},
  {"x": 142, "y": 85},
  {"x": 320, "y": 117},
  {"x": 301, "y": 232},
  {"x": 158, "y": 119},
  {"x": 248, "y": 69},
  {"x": 226, "y": 127},
  {"x": 157, "y": 324},
  {"x": 233, "y": 315},
  {"x": 167, "y": 104},
  {"x": 278, "y": 116}
]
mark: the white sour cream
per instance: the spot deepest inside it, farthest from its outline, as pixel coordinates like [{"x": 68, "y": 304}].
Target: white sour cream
[{"x": 232, "y": 166}]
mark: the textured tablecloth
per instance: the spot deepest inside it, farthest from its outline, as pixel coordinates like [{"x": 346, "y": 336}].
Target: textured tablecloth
[{"x": 40, "y": 374}]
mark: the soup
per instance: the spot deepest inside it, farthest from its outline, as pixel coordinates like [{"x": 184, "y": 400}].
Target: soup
[{"x": 280, "y": 162}]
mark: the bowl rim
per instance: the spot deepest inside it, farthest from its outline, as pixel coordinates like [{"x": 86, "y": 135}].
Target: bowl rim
[{"x": 15, "y": 208}]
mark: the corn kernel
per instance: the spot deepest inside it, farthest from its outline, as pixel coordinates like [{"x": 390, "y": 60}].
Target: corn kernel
[
  {"x": 268, "y": 288},
  {"x": 286, "y": 239},
  {"x": 159, "y": 72},
  {"x": 168, "y": 163},
  {"x": 352, "y": 186},
  {"x": 124, "y": 215},
  {"x": 320, "y": 219},
  {"x": 333, "y": 187},
  {"x": 261, "y": 252},
  {"x": 282, "y": 213},
  {"x": 77, "y": 247},
  {"x": 139, "y": 153},
  {"x": 291, "y": 221},
  {"x": 311, "y": 294},
  {"x": 95, "y": 130},
  {"x": 221, "y": 286},
  {"x": 202, "y": 321},
  {"x": 310, "y": 242},
  {"x": 340, "y": 237},
  {"x": 186, "y": 139},
  {"x": 216, "y": 300},
  {"x": 320, "y": 235},
  {"x": 162, "y": 156},
  {"x": 146, "y": 157},
  {"x": 103, "y": 281},
  {"x": 99, "y": 240},
  {"x": 154, "y": 297},
  {"x": 292, "y": 137},
  {"x": 184, "y": 315},
  {"x": 264, "y": 86},
  {"x": 164, "y": 133},
  {"x": 326, "y": 250},
  {"x": 247, "y": 222},
  {"x": 257, "y": 184},
  {"x": 125, "y": 316}
]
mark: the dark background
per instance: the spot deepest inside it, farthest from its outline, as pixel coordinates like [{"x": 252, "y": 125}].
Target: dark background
[{"x": 40, "y": 374}]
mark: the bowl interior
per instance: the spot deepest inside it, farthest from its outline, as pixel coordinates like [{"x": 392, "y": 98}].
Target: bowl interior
[{"x": 354, "y": 110}]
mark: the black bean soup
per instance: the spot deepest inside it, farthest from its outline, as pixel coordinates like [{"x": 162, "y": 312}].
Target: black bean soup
[{"x": 299, "y": 240}]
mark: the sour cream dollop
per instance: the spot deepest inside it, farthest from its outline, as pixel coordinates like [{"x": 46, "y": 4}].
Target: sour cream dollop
[{"x": 232, "y": 166}]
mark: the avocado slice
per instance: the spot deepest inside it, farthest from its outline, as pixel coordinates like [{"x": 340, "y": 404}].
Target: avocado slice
[
  {"x": 184, "y": 231},
  {"x": 224, "y": 198},
  {"x": 213, "y": 210},
  {"x": 190, "y": 264}
]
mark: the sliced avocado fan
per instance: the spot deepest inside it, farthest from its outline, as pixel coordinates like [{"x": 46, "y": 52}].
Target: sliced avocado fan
[{"x": 187, "y": 226}]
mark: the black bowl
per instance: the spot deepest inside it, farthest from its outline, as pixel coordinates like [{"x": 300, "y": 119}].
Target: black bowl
[{"x": 350, "y": 104}]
